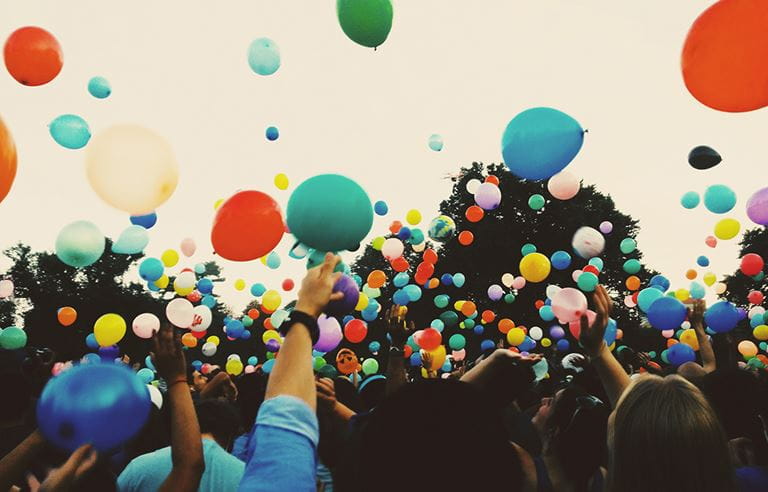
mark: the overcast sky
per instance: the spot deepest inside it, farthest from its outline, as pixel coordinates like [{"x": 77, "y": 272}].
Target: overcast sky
[{"x": 457, "y": 68}]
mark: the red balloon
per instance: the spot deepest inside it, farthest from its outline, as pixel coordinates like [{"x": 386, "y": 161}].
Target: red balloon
[
  {"x": 751, "y": 264},
  {"x": 7, "y": 161},
  {"x": 33, "y": 56},
  {"x": 288, "y": 284},
  {"x": 430, "y": 339},
  {"x": 474, "y": 213},
  {"x": 395, "y": 227},
  {"x": 199, "y": 334},
  {"x": 466, "y": 238},
  {"x": 492, "y": 179},
  {"x": 400, "y": 264},
  {"x": 247, "y": 226},
  {"x": 591, "y": 269},
  {"x": 355, "y": 330},
  {"x": 539, "y": 304},
  {"x": 429, "y": 256},
  {"x": 425, "y": 269},
  {"x": 724, "y": 56},
  {"x": 756, "y": 297},
  {"x": 194, "y": 296}
]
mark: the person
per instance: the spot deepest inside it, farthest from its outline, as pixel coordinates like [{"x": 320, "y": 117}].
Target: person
[
  {"x": 662, "y": 434},
  {"x": 692, "y": 371}
]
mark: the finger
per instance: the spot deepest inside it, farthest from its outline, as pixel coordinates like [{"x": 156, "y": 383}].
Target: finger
[
  {"x": 329, "y": 264},
  {"x": 77, "y": 458},
  {"x": 337, "y": 296},
  {"x": 86, "y": 465}
]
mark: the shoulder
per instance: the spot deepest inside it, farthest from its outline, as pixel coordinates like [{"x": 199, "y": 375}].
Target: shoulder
[{"x": 528, "y": 465}]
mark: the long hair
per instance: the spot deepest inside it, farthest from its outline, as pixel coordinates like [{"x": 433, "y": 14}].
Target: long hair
[{"x": 665, "y": 436}]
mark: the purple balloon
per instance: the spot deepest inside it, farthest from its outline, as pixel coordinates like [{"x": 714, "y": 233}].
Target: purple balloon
[
  {"x": 272, "y": 345},
  {"x": 495, "y": 292},
  {"x": 556, "y": 332},
  {"x": 606, "y": 227},
  {"x": 330, "y": 333},
  {"x": 109, "y": 353},
  {"x": 757, "y": 207},
  {"x": 488, "y": 196},
  {"x": 346, "y": 285}
]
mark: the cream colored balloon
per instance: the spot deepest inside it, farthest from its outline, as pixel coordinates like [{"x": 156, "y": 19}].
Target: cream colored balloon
[{"x": 131, "y": 168}]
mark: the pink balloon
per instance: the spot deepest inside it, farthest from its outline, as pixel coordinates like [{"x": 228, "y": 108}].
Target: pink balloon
[
  {"x": 249, "y": 369},
  {"x": 330, "y": 333},
  {"x": 667, "y": 333},
  {"x": 576, "y": 274},
  {"x": 188, "y": 246},
  {"x": 711, "y": 241},
  {"x": 569, "y": 304},
  {"x": 6, "y": 288},
  {"x": 575, "y": 326},
  {"x": 629, "y": 302},
  {"x": 458, "y": 355},
  {"x": 606, "y": 227},
  {"x": 392, "y": 248},
  {"x": 518, "y": 283},
  {"x": 563, "y": 185}
]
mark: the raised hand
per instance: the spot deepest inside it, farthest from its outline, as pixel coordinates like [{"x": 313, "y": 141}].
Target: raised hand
[
  {"x": 168, "y": 355},
  {"x": 67, "y": 475},
  {"x": 326, "y": 395},
  {"x": 317, "y": 287},
  {"x": 591, "y": 337},
  {"x": 396, "y": 326},
  {"x": 696, "y": 314}
]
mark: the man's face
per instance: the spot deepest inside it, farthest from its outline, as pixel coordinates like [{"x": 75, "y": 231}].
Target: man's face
[{"x": 198, "y": 381}]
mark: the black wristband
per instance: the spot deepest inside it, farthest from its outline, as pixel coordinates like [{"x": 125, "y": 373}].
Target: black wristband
[{"x": 305, "y": 319}]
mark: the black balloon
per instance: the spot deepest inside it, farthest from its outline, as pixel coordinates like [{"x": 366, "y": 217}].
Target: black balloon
[{"x": 703, "y": 157}]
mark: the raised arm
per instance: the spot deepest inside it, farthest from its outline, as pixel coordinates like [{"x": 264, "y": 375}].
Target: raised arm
[
  {"x": 696, "y": 317},
  {"x": 503, "y": 375},
  {"x": 15, "y": 463},
  {"x": 612, "y": 375},
  {"x": 398, "y": 332},
  {"x": 186, "y": 442}
]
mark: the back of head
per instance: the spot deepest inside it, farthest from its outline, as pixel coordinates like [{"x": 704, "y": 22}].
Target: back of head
[
  {"x": 218, "y": 418},
  {"x": 251, "y": 389},
  {"x": 664, "y": 435},
  {"x": 436, "y": 435}
]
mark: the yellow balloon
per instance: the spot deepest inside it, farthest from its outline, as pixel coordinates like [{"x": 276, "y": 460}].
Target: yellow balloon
[
  {"x": 270, "y": 335},
  {"x": 378, "y": 243},
  {"x": 234, "y": 367},
  {"x": 438, "y": 358},
  {"x": 109, "y": 329},
  {"x": 182, "y": 291},
  {"x": 682, "y": 294},
  {"x": 271, "y": 300},
  {"x": 170, "y": 257},
  {"x": 727, "y": 229},
  {"x": 263, "y": 260},
  {"x": 535, "y": 267},
  {"x": 131, "y": 168},
  {"x": 457, "y": 305},
  {"x": 218, "y": 203},
  {"x": 761, "y": 332},
  {"x": 162, "y": 282},
  {"x": 413, "y": 217},
  {"x": 281, "y": 181},
  {"x": 688, "y": 337},
  {"x": 362, "y": 302},
  {"x": 239, "y": 284},
  {"x": 709, "y": 279},
  {"x": 213, "y": 339},
  {"x": 515, "y": 336},
  {"x": 546, "y": 342}
]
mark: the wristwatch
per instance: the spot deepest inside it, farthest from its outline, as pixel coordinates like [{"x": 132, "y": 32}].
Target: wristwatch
[{"x": 305, "y": 319}]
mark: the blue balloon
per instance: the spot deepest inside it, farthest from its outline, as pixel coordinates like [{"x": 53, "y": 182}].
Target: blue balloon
[
  {"x": 380, "y": 207},
  {"x": 486, "y": 345},
  {"x": 459, "y": 279},
  {"x": 70, "y": 131},
  {"x": 197, "y": 364},
  {"x": 610, "y": 332},
  {"x": 90, "y": 342},
  {"x": 148, "y": 362},
  {"x": 99, "y": 87},
  {"x": 413, "y": 292},
  {"x": 272, "y": 133},
  {"x": 110, "y": 353},
  {"x": 478, "y": 329},
  {"x": 263, "y": 56},
  {"x": 546, "y": 313},
  {"x": 245, "y": 335},
  {"x": 267, "y": 366},
  {"x": 446, "y": 279},
  {"x": 702, "y": 261},
  {"x": 153, "y": 287},
  {"x": 666, "y": 313},
  {"x": 690, "y": 200},
  {"x": 446, "y": 366},
  {"x": 400, "y": 297},
  {"x": 415, "y": 358},
  {"x": 563, "y": 345},
  {"x": 721, "y": 317},
  {"x": 253, "y": 360},
  {"x": 369, "y": 314},
  {"x": 151, "y": 269},
  {"x": 132, "y": 241},
  {"x": 404, "y": 233},
  {"x": 539, "y": 142},
  {"x": 209, "y": 301},
  {"x": 235, "y": 328},
  {"x": 560, "y": 260},
  {"x": 527, "y": 345},
  {"x": 680, "y": 353},
  {"x": 145, "y": 221},
  {"x": 258, "y": 290},
  {"x": 91, "y": 358},
  {"x": 347, "y": 319},
  {"x": 401, "y": 279},
  {"x": 101, "y": 404},
  {"x": 205, "y": 286},
  {"x": 146, "y": 375},
  {"x": 660, "y": 282},
  {"x": 374, "y": 347},
  {"x": 719, "y": 199},
  {"x": 697, "y": 290}
]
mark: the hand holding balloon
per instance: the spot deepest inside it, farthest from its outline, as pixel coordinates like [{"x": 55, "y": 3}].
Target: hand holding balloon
[
  {"x": 696, "y": 314},
  {"x": 592, "y": 336},
  {"x": 396, "y": 326},
  {"x": 168, "y": 356},
  {"x": 317, "y": 287},
  {"x": 67, "y": 475}
]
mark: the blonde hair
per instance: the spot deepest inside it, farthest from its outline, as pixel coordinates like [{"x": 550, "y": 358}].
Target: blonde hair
[{"x": 664, "y": 435}]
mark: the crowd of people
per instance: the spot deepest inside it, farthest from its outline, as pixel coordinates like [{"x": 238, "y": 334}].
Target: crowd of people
[{"x": 600, "y": 421}]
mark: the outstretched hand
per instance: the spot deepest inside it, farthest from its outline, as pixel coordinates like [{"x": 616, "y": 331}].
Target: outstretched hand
[
  {"x": 396, "y": 326},
  {"x": 317, "y": 287},
  {"x": 591, "y": 337},
  {"x": 168, "y": 356},
  {"x": 67, "y": 475},
  {"x": 696, "y": 314}
]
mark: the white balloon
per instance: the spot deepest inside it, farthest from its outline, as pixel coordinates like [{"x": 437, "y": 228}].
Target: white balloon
[
  {"x": 588, "y": 242},
  {"x": 6, "y": 288},
  {"x": 208, "y": 349},
  {"x": 201, "y": 319},
  {"x": 552, "y": 290},
  {"x": 185, "y": 280},
  {"x": 145, "y": 325},
  {"x": 180, "y": 312},
  {"x": 755, "y": 311},
  {"x": 392, "y": 249},
  {"x": 419, "y": 247},
  {"x": 233, "y": 356},
  {"x": 155, "y": 396},
  {"x": 535, "y": 333},
  {"x": 473, "y": 184},
  {"x": 507, "y": 280}
]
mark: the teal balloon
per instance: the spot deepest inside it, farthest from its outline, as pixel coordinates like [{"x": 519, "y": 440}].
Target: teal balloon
[
  {"x": 104, "y": 405},
  {"x": 70, "y": 131},
  {"x": 442, "y": 301},
  {"x": 449, "y": 319},
  {"x": 99, "y": 87},
  {"x": 132, "y": 241},
  {"x": 13, "y": 338},
  {"x": 366, "y": 22},
  {"x": 459, "y": 279},
  {"x": 80, "y": 244},
  {"x": 597, "y": 263},
  {"x": 539, "y": 142},
  {"x": 272, "y": 133},
  {"x": 536, "y": 202},
  {"x": 457, "y": 342},
  {"x": 436, "y": 142},
  {"x": 690, "y": 200},
  {"x": 627, "y": 245},
  {"x": 632, "y": 266},
  {"x": 273, "y": 260},
  {"x": 719, "y": 199},
  {"x": 146, "y": 375},
  {"x": 697, "y": 290},
  {"x": 646, "y": 297},
  {"x": 527, "y": 249},
  {"x": 469, "y": 324},
  {"x": 151, "y": 269},
  {"x": 264, "y": 56},
  {"x": 199, "y": 268},
  {"x": 587, "y": 281},
  {"x": 330, "y": 212}
]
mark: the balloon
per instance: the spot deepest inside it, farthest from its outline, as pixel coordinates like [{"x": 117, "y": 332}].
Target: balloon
[
  {"x": 104, "y": 405},
  {"x": 747, "y": 348},
  {"x": 330, "y": 212},
  {"x": 761, "y": 332},
  {"x": 472, "y": 185},
  {"x": 697, "y": 290},
  {"x": 184, "y": 283},
  {"x": 330, "y": 333},
  {"x": 109, "y": 329},
  {"x": 271, "y": 300},
  {"x": 132, "y": 241},
  {"x": 146, "y": 221},
  {"x": 563, "y": 185},
  {"x": 518, "y": 283},
  {"x": 680, "y": 353},
  {"x": 6, "y": 288},
  {"x": 508, "y": 278},
  {"x": 355, "y": 330},
  {"x": 632, "y": 266},
  {"x": 392, "y": 248},
  {"x": 263, "y": 56},
  {"x": 70, "y": 131},
  {"x": 429, "y": 339},
  {"x": 7, "y": 160},
  {"x": 346, "y": 285},
  {"x": 366, "y": 22},
  {"x": 721, "y": 317},
  {"x": 588, "y": 242},
  {"x": 539, "y": 142},
  {"x": 12, "y": 338},
  {"x": 535, "y": 267},
  {"x": 488, "y": 196},
  {"x": 33, "y": 56},
  {"x": 435, "y": 142},
  {"x": 536, "y": 202},
  {"x": 560, "y": 260},
  {"x": 757, "y": 207},
  {"x": 458, "y": 280},
  {"x": 474, "y": 213},
  {"x": 413, "y": 217},
  {"x": 712, "y": 74},
  {"x": 628, "y": 245},
  {"x": 752, "y": 264},
  {"x": 606, "y": 227},
  {"x": 272, "y": 133},
  {"x": 151, "y": 269},
  {"x": 381, "y": 208},
  {"x": 145, "y": 325},
  {"x": 80, "y": 244},
  {"x": 495, "y": 292},
  {"x": 710, "y": 241},
  {"x": 690, "y": 200},
  {"x": 442, "y": 228},
  {"x": 188, "y": 246},
  {"x": 99, "y": 87},
  {"x": 703, "y": 157},
  {"x": 201, "y": 319},
  {"x": 273, "y": 260},
  {"x": 515, "y": 336},
  {"x": 727, "y": 229},
  {"x": 756, "y": 297},
  {"x": 169, "y": 257},
  {"x": 719, "y": 199},
  {"x": 666, "y": 313},
  {"x": 66, "y": 316},
  {"x": 466, "y": 238},
  {"x": 180, "y": 312},
  {"x": 569, "y": 304},
  {"x": 587, "y": 281},
  {"x": 251, "y": 212}
]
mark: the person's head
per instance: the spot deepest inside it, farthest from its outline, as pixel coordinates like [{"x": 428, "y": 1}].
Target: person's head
[
  {"x": 663, "y": 435},
  {"x": 251, "y": 389},
  {"x": 196, "y": 379},
  {"x": 691, "y": 371},
  {"x": 219, "y": 419}
]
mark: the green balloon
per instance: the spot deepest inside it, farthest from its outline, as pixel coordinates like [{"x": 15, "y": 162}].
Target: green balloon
[
  {"x": 627, "y": 245},
  {"x": 318, "y": 363},
  {"x": 13, "y": 338},
  {"x": 80, "y": 244},
  {"x": 509, "y": 298},
  {"x": 328, "y": 371},
  {"x": 632, "y": 266},
  {"x": 587, "y": 281},
  {"x": 330, "y": 212},
  {"x": 366, "y": 22},
  {"x": 370, "y": 366},
  {"x": 449, "y": 318},
  {"x": 536, "y": 202},
  {"x": 469, "y": 323},
  {"x": 457, "y": 342},
  {"x": 442, "y": 300}
]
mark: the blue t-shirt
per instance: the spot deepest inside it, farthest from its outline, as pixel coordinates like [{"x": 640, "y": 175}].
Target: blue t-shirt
[
  {"x": 282, "y": 447},
  {"x": 148, "y": 471}
]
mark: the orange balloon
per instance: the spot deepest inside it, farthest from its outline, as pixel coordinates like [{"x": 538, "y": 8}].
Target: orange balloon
[
  {"x": 33, "y": 56},
  {"x": 466, "y": 238},
  {"x": 395, "y": 227},
  {"x": 433, "y": 283},
  {"x": 253, "y": 313},
  {"x": 429, "y": 256},
  {"x": 7, "y": 160},
  {"x": 400, "y": 264},
  {"x": 474, "y": 213},
  {"x": 690, "y": 274},
  {"x": 268, "y": 324},
  {"x": 67, "y": 315},
  {"x": 488, "y": 316},
  {"x": 468, "y": 308},
  {"x": 633, "y": 283},
  {"x": 189, "y": 340},
  {"x": 505, "y": 324},
  {"x": 247, "y": 226},
  {"x": 724, "y": 56},
  {"x": 376, "y": 279},
  {"x": 671, "y": 341}
]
